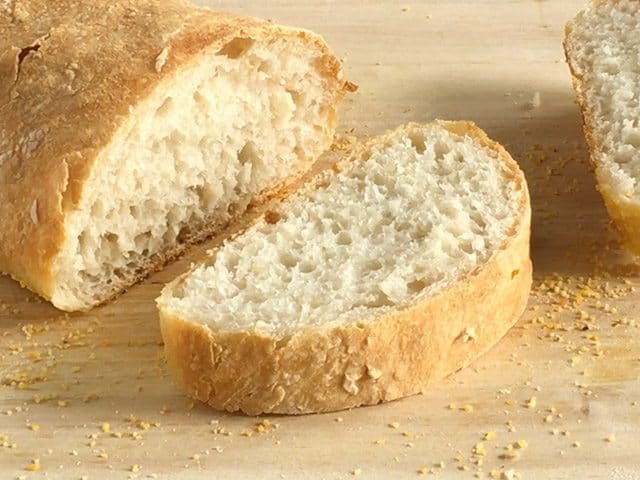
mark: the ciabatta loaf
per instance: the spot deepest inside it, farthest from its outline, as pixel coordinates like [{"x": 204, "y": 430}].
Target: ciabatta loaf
[
  {"x": 397, "y": 268},
  {"x": 129, "y": 129},
  {"x": 601, "y": 46}
]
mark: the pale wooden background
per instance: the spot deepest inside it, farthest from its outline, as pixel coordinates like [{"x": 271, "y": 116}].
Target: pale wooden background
[{"x": 452, "y": 59}]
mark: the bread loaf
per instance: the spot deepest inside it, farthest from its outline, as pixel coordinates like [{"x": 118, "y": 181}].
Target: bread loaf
[
  {"x": 130, "y": 129},
  {"x": 396, "y": 269},
  {"x": 601, "y": 46}
]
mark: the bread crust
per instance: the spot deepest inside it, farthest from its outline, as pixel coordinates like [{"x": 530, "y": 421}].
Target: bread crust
[
  {"x": 624, "y": 212},
  {"x": 338, "y": 367},
  {"x": 70, "y": 72}
]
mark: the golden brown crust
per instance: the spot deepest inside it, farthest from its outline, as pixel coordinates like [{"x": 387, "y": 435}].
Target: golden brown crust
[
  {"x": 70, "y": 71},
  {"x": 331, "y": 368},
  {"x": 624, "y": 213}
]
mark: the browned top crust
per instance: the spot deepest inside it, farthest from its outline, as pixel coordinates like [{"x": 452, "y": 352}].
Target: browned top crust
[{"x": 70, "y": 70}]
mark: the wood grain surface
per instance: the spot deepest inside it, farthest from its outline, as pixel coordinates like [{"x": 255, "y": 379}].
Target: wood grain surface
[{"x": 88, "y": 395}]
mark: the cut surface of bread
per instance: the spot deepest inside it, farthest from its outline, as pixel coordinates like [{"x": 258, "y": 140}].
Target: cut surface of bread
[
  {"x": 158, "y": 123},
  {"x": 396, "y": 268},
  {"x": 601, "y": 46}
]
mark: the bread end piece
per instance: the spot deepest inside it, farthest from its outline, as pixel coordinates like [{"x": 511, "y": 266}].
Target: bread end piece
[
  {"x": 126, "y": 156},
  {"x": 623, "y": 210},
  {"x": 367, "y": 362}
]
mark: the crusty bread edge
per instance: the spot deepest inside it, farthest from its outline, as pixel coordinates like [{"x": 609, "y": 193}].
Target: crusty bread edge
[
  {"x": 339, "y": 367},
  {"x": 624, "y": 212}
]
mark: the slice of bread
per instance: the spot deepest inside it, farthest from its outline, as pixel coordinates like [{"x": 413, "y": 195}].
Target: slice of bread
[
  {"x": 397, "y": 268},
  {"x": 132, "y": 129},
  {"x": 601, "y": 46}
]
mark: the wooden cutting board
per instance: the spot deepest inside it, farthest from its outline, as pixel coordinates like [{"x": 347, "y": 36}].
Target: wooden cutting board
[{"x": 89, "y": 397}]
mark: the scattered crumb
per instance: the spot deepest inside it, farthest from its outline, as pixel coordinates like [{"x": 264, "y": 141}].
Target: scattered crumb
[{"x": 34, "y": 466}]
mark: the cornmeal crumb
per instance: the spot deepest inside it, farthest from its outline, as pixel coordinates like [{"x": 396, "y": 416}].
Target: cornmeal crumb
[
  {"x": 521, "y": 444},
  {"x": 478, "y": 450},
  {"x": 490, "y": 435},
  {"x": 356, "y": 472},
  {"x": 134, "y": 468},
  {"x": 35, "y": 427},
  {"x": 610, "y": 439},
  {"x": 34, "y": 466},
  {"x": 394, "y": 425},
  {"x": 106, "y": 428},
  {"x": 468, "y": 408}
]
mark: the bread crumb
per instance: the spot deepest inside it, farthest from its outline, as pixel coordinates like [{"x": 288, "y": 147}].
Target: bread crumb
[
  {"x": 510, "y": 474},
  {"x": 161, "y": 59},
  {"x": 521, "y": 444},
  {"x": 478, "y": 450}
]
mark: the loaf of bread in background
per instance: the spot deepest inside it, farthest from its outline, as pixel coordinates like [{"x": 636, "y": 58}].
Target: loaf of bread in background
[
  {"x": 131, "y": 129},
  {"x": 601, "y": 46},
  {"x": 365, "y": 285}
]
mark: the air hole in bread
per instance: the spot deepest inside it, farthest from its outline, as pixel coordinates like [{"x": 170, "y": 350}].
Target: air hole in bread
[
  {"x": 440, "y": 149},
  {"x": 236, "y": 47},
  {"x": 165, "y": 108},
  {"x": 418, "y": 142}
]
